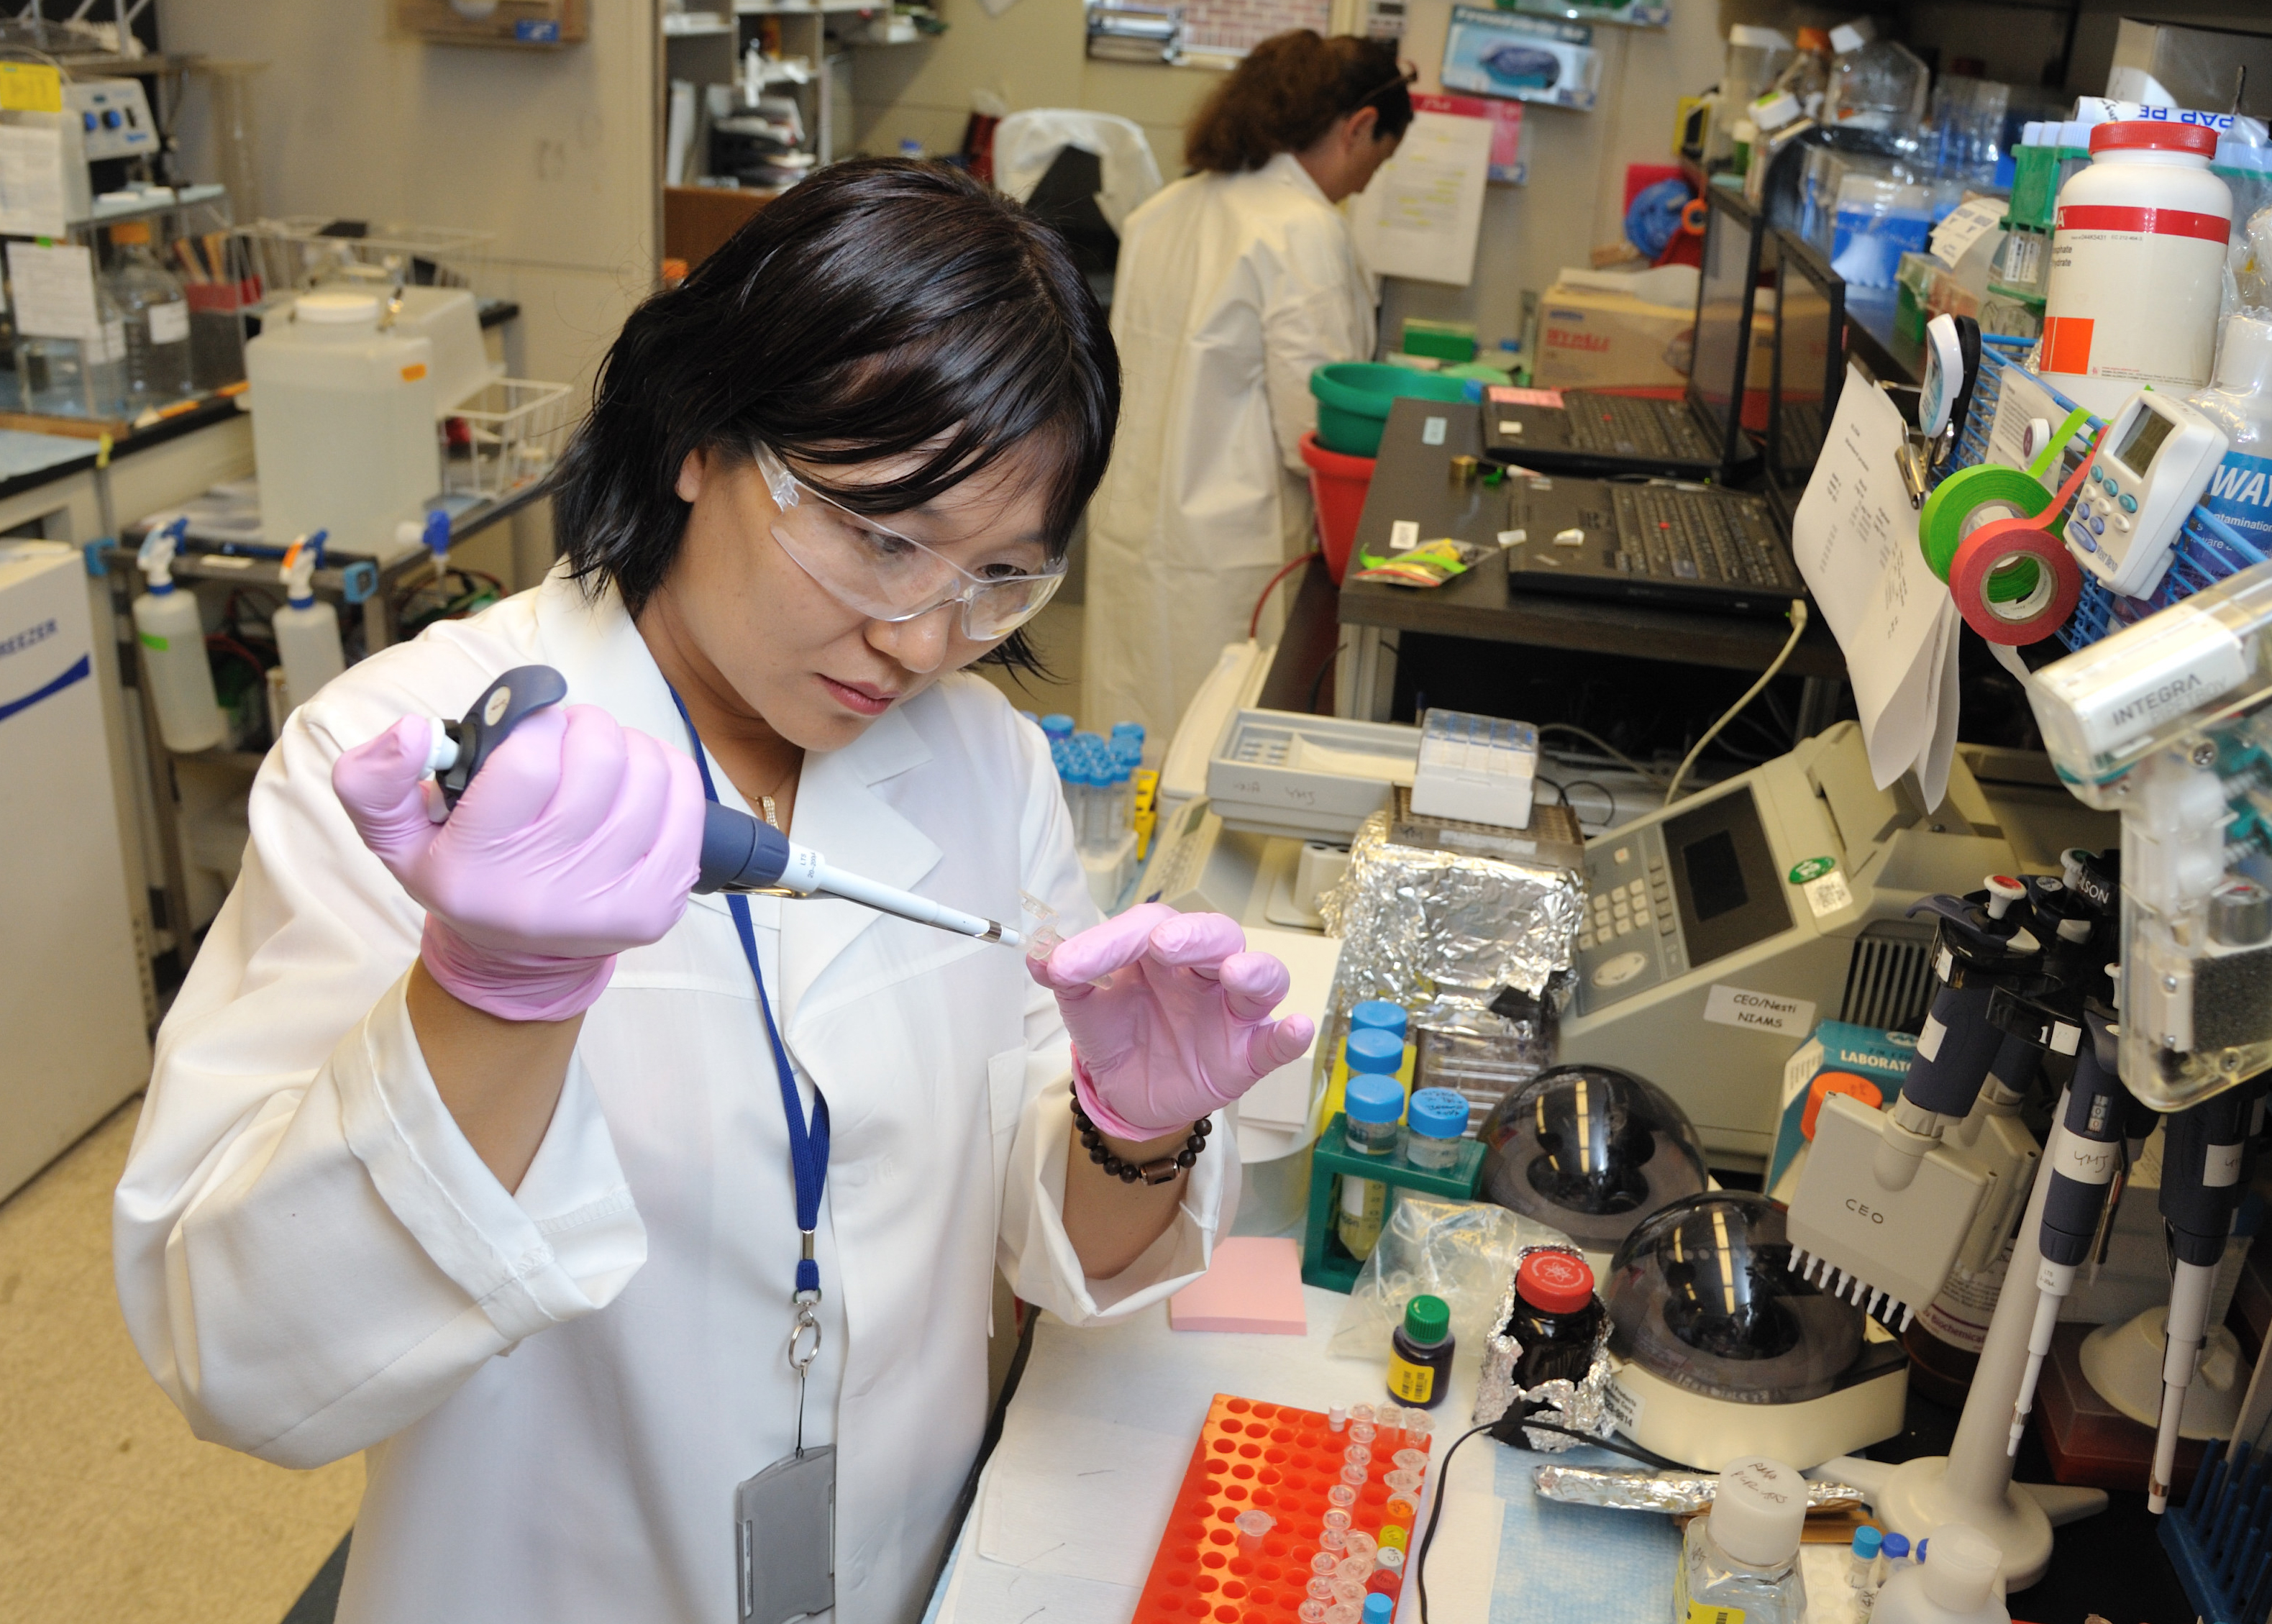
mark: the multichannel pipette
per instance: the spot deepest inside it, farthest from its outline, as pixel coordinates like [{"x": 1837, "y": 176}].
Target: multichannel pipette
[{"x": 739, "y": 852}]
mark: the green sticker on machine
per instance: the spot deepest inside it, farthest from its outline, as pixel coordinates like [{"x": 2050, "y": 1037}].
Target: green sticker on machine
[{"x": 1814, "y": 868}]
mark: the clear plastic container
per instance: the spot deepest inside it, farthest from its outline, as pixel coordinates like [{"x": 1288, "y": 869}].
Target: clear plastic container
[
  {"x": 343, "y": 430},
  {"x": 1740, "y": 1559},
  {"x": 157, "y": 316},
  {"x": 2239, "y": 402},
  {"x": 77, "y": 377},
  {"x": 1874, "y": 84},
  {"x": 1436, "y": 1126},
  {"x": 1807, "y": 74},
  {"x": 1877, "y": 218}
]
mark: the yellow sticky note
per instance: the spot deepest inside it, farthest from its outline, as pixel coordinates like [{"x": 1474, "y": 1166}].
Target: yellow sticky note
[{"x": 30, "y": 87}]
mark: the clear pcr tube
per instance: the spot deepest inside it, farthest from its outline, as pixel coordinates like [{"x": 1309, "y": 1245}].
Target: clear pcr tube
[
  {"x": 1411, "y": 1460},
  {"x": 1357, "y": 1455},
  {"x": 1342, "y": 1494}
]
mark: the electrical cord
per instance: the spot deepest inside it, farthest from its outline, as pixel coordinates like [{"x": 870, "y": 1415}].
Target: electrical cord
[
  {"x": 1254, "y": 620},
  {"x": 1798, "y": 629},
  {"x": 1606, "y": 748},
  {"x": 1513, "y": 1426}
]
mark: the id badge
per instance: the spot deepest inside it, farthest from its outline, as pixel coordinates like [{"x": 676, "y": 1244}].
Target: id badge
[{"x": 785, "y": 1539}]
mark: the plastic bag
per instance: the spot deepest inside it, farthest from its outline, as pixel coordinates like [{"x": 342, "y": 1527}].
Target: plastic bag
[
  {"x": 1430, "y": 564},
  {"x": 1463, "y": 1252}
]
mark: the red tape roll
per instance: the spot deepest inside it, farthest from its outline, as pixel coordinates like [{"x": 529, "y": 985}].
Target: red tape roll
[{"x": 1998, "y": 552}]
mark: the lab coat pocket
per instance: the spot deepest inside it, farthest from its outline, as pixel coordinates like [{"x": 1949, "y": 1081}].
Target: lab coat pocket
[{"x": 1006, "y": 1103}]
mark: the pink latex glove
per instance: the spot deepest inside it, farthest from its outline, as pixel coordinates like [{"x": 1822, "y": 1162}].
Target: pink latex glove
[
  {"x": 1182, "y": 1025},
  {"x": 579, "y": 839}
]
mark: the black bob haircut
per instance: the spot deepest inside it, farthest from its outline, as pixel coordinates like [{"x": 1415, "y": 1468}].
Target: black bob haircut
[{"x": 881, "y": 308}]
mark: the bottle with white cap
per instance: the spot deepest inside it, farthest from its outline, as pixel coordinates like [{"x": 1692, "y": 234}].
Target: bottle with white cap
[
  {"x": 2239, "y": 402},
  {"x": 1958, "y": 1586},
  {"x": 1740, "y": 1559},
  {"x": 307, "y": 629}
]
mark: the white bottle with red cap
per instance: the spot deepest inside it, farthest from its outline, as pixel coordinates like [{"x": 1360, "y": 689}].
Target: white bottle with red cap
[{"x": 2137, "y": 265}]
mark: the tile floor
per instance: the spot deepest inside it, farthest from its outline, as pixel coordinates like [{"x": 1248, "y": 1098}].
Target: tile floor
[{"x": 110, "y": 1512}]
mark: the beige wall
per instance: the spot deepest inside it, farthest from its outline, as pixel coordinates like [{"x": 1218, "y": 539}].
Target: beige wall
[
  {"x": 552, "y": 150},
  {"x": 1034, "y": 55}
]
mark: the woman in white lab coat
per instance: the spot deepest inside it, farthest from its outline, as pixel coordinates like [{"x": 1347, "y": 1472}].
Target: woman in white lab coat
[
  {"x": 466, "y": 1146},
  {"x": 1233, "y": 285}
]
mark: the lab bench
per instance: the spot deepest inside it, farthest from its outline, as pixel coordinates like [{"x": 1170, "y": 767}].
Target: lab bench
[
  {"x": 1095, "y": 1426},
  {"x": 1413, "y": 481}
]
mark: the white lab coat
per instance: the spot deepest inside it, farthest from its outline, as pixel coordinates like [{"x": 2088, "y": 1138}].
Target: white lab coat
[
  {"x": 1231, "y": 290},
  {"x": 559, "y": 1387}
]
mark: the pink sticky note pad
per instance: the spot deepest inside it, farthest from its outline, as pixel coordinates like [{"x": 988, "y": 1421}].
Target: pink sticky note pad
[{"x": 1253, "y": 1284}]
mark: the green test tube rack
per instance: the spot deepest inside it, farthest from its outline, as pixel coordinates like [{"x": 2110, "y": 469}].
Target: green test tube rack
[{"x": 1325, "y": 1261}]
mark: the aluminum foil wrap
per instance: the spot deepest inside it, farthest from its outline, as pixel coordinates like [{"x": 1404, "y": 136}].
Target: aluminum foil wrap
[
  {"x": 1448, "y": 922},
  {"x": 1584, "y": 1404},
  {"x": 1675, "y": 1494}
]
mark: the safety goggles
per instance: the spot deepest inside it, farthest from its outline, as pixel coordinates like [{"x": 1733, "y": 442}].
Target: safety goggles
[{"x": 879, "y": 573}]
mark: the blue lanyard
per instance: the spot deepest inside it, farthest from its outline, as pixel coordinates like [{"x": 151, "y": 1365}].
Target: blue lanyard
[{"x": 808, "y": 1147}]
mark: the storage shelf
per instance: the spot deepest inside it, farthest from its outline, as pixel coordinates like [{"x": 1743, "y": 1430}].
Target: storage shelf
[
  {"x": 155, "y": 203},
  {"x": 695, "y": 25}
]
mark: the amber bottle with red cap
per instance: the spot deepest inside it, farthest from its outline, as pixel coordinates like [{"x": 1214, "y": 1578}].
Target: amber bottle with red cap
[{"x": 1557, "y": 1318}]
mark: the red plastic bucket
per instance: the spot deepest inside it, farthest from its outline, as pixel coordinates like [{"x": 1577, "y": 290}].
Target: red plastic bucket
[{"x": 1338, "y": 483}]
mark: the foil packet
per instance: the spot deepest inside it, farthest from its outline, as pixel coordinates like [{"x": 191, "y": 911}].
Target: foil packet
[
  {"x": 1582, "y": 1406},
  {"x": 1675, "y": 1493},
  {"x": 1450, "y": 928}
]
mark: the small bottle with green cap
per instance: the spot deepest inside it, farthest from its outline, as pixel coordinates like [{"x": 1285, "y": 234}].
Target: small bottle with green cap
[
  {"x": 1373, "y": 1104},
  {"x": 1420, "y": 1353}
]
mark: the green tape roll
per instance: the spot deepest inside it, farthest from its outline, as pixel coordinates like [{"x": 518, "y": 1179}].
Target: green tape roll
[{"x": 1968, "y": 499}]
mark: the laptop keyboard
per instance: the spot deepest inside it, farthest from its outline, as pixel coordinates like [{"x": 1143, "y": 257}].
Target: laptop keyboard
[
  {"x": 1628, "y": 427},
  {"x": 1666, "y": 534}
]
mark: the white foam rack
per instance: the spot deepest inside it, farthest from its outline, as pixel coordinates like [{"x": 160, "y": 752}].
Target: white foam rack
[{"x": 1307, "y": 777}]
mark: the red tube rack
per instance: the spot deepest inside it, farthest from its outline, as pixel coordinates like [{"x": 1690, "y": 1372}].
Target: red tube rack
[{"x": 1257, "y": 1457}]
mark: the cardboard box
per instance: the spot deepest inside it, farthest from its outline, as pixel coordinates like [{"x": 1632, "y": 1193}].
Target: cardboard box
[
  {"x": 1592, "y": 338},
  {"x": 1840, "y": 1058}
]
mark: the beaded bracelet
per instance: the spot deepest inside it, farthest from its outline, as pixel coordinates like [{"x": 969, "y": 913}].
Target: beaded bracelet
[{"x": 1151, "y": 1173}]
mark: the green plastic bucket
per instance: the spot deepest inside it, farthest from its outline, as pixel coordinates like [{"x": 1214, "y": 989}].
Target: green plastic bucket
[{"x": 1354, "y": 397}]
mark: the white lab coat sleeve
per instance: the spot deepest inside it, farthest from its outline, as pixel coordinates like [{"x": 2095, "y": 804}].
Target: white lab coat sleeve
[
  {"x": 1314, "y": 312},
  {"x": 309, "y": 1255},
  {"x": 1035, "y": 1254}
]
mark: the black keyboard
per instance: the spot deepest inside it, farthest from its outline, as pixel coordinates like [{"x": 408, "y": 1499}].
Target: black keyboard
[
  {"x": 1624, "y": 426},
  {"x": 1671, "y": 535}
]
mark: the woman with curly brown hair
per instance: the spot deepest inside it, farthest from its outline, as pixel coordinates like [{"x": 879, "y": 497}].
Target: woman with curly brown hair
[{"x": 1233, "y": 284}]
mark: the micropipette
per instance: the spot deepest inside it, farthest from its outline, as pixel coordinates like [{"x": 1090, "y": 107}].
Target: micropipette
[{"x": 739, "y": 852}]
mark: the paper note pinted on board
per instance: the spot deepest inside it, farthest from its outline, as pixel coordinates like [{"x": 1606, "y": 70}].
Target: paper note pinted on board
[
  {"x": 1855, "y": 539},
  {"x": 1421, "y": 216}
]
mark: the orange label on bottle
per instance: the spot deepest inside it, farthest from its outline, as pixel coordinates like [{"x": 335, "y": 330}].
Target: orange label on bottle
[
  {"x": 1416, "y": 1384},
  {"x": 2066, "y": 344},
  {"x": 412, "y": 374}
]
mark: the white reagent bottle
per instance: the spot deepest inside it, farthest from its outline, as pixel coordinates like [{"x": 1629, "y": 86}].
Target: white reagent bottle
[
  {"x": 173, "y": 638},
  {"x": 1957, "y": 1586},
  {"x": 307, "y": 628},
  {"x": 1741, "y": 1558}
]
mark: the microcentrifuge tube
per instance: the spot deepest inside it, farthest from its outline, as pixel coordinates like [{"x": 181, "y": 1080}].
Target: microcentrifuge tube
[
  {"x": 1332, "y": 1540},
  {"x": 1312, "y": 1612},
  {"x": 1394, "y": 1536},
  {"x": 1389, "y": 1415},
  {"x": 1398, "y": 1482},
  {"x": 1361, "y": 1413},
  {"x": 1321, "y": 1586},
  {"x": 1324, "y": 1564},
  {"x": 1337, "y": 1520},
  {"x": 1252, "y": 1526},
  {"x": 1416, "y": 1426},
  {"x": 1390, "y": 1559},
  {"x": 1342, "y": 1494},
  {"x": 1344, "y": 1613},
  {"x": 1337, "y": 1419},
  {"x": 1351, "y": 1591},
  {"x": 1361, "y": 1432},
  {"x": 1354, "y": 1476},
  {"x": 1411, "y": 1460},
  {"x": 1357, "y": 1455},
  {"x": 1400, "y": 1511},
  {"x": 1352, "y": 1570},
  {"x": 1362, "y": 1544}
]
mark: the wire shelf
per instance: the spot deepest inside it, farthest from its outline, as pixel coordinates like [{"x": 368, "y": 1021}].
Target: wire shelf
[
  {"x": 300, "y": 251},
  {"x": 506, "y": 436},
  {"x": 2206, "y": 551}
]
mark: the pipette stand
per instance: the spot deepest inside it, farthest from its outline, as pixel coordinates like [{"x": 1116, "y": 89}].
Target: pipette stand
[{"x": 1972, "y": 1484}]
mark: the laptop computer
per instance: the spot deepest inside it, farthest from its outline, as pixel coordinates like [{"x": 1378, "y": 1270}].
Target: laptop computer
[
  {"x": 1809, "y": 368},
  {"x": 1688, "y": 546},
  {"x": 1698, "y": 437}
]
